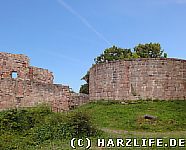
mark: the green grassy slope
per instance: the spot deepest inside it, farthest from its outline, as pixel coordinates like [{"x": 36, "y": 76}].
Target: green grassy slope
[
  {"x": 171, "y": 115},
  {"x": 41, "y": 129}
]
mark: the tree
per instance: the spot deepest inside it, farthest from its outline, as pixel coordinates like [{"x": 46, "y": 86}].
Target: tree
[
  {"x": 86, "y": 77},
  {"x": 113, "y": 53},
  {"x": 110, "y": 54},
  {"x": 85, "y": 87},
  {"x": 151, "y": 50}
]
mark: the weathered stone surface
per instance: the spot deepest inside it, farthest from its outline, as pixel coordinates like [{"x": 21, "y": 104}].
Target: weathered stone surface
[
  {"x": 32, "y": 86},
  {"x": 132, "y": 79},
  {"x": 19, "y": 64},
  {"x": 78, "y": 99}
]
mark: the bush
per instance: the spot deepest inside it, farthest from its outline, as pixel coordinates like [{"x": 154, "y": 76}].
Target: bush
[
  {"x": 31, "y": 127},
  {"x": 16, "y": 120},
  {"x": 84, "y": 89},
  {"x": 80, "y": 125},
  {"x": 21, "y": 120}
]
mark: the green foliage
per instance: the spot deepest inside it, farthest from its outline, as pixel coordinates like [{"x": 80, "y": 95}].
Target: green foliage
[
  {"x": 135, "y": 55},
  {"x": 84, "y": 89},
  {"x": 73, "y": 125},
  {"x": 54, "y": 130},
  {"x": 150, "y": 50},
  {"x": 165, "y": 55},
  {"x": 86, "y": 77},
  {"x": 50, "y": 131},
  {"x": 21, "y": 120},
  {"x": 20, "y": 128},
  {"x": 112, "y": 54},
  {"x": 80, "y": 125}
]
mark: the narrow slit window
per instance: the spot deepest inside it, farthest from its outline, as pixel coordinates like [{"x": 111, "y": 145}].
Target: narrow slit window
[{"x": 14, "y": 75}]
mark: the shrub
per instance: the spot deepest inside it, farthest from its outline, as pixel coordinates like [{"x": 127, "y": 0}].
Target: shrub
[
  {"x": 16, "y": 120},
  {"x": 19, "y": 120},
  {"x": 58, "y": 126},
  {"x": 80, "y": 125},
  {"x": 34, "y": 126}
]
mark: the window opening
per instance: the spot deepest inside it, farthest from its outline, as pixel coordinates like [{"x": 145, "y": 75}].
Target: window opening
[{"x": 14, "y": 75}]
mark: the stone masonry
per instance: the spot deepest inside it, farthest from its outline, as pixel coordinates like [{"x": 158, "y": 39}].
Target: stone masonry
[
  {"x": 31, "y": 86},
  {"x": 133, "y": 79},
  {"x": 78, "y": 99},
  {"x": 22, "y": 85}
]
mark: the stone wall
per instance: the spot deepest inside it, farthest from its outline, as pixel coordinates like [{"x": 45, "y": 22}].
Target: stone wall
[
  {"x": 40, "y": 75},
  {"x": 32, "y": 85},
  {"x": 25, "y": 93},
  {"x": 18, "y": 63},
  {"x": 78, "y": 99},
  {"x": 132, "y": 79},
  {"x": 14, "y": 63}
]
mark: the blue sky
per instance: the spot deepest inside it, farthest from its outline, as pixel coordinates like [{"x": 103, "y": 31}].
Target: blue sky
[{"x": 65, "y": 36}]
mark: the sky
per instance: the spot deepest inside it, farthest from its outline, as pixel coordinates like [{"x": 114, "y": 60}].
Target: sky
[{"x": 64, "y": 36}]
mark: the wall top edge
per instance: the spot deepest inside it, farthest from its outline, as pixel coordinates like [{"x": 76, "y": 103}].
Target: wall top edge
[
  {"x": 138, "y": 60},
  {"x": 10, "y": 54}
]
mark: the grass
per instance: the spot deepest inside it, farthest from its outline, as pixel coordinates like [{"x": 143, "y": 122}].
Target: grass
[
  {"x": 116, "y": 120},
  {"x": 171, "y": 115}
]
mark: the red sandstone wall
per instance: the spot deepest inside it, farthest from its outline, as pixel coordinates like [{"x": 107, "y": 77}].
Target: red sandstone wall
[
  {"x": 78, "y": 99},
  {"x": 19, "y": 93},
  {"x": 139, "y": 79},
  {"x": 20, "y": 63},
  {"x": 31, "y": 87},
  {"x": 41, "y": 75},
  {"x": 14, "y": 62}
]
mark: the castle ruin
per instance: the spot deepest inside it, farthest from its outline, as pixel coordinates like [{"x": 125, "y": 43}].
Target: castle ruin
[
  {"x": 142, "y": 78},
  {"x": 22, "y": 85}
]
